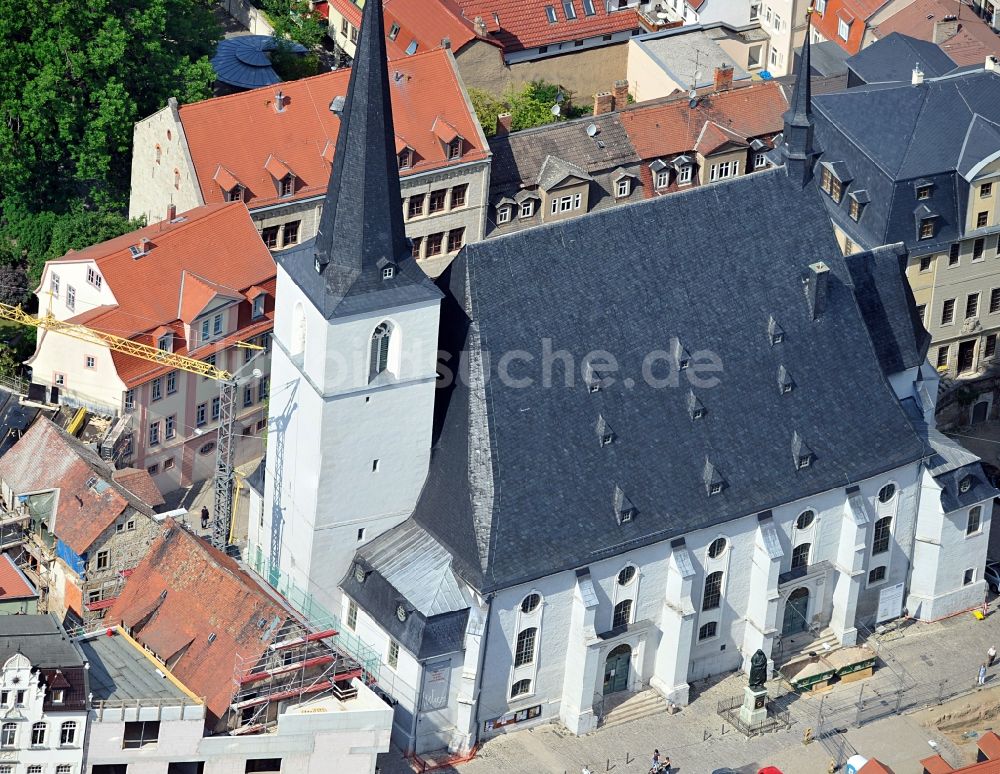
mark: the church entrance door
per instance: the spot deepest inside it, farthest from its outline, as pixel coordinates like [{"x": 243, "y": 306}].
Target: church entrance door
[
  {"x": 616, "y": 669},
  {"x": 796, "y": 612}
]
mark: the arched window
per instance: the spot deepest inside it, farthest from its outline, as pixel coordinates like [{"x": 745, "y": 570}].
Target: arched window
[
  {"x": 7, "y": 734},
  {"x": 520, "y": 688},
  {"x": 524, "y": 652},
  {"x": 805, "y": 520},
  {"x": 883, "y": 531},
  {"x": 886, "y": 493},
  {"x": 623, "y": 614},
  {"x": 708, "y": 630},
  {"x": 530, "y": 603},
  {"x": 713, "y": 591},
  {"x": 626, "y": 576},
  {"x": 975, "y": 520},
  {"x": 800, "y": 555},
  {"x": 67, "y": 733},
  {"x": 718, "y": 546},
  {"x": 380, "y": 349},
  {"x": 298, "y": 348},
  {"x": 38, "y": 734}
]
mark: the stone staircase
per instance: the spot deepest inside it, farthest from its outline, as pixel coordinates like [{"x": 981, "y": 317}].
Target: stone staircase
[{"x": 633, "y": 707}]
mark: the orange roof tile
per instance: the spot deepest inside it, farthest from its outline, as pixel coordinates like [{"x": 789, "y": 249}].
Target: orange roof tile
[
  {"x": 525, "y": 24},
  {"x": 205, "y": 592},
  {"x": 712, "y": 137},
  {"x": 301, "y": 137},
  {"x": 969, "y": 46},
  {"x": 936, "y": 765},
  {"x": 854, "y": 12},
  {"x": 141, "y": 484},
  {"x": 427, "y": 22},
  {"x": 671, "y": 127},
  {"x": 875, "y": 767},
  {"x": 348, "y": 10},
  {"x": 989, "y": 745},
  {"x": 225, "y": 178},
  {"x": 13, "y": 584}
]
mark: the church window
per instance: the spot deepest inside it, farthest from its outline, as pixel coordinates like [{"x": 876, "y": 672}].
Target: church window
[
  {"x": 805, "y": 520},
  {"x": 707, "y": 631},
  {"x": 530, "y": 603},
  {"x": 626, "y": 576},
  {"x": 876, "y": 574},
  {"x": 352, "y": 615},
  {"x": 622, "y": 614},
  {"x": 883, "y": 531},
  {"x": 716, "y": 549},
  {"x": 380, "y": 349},
  {"x": 713, "y": 591},
  {"x": 520, "y": 688},
  {"x": 524, "y": 652},
  {"x": 800, "y": 555},
  {"x": 975, "y": 521},
  {"x": 886, "y": 493},
  {"x": 393, "y": 654}
]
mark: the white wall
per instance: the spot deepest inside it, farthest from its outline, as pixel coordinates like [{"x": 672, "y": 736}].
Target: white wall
[{"x": 154, "y": 185}]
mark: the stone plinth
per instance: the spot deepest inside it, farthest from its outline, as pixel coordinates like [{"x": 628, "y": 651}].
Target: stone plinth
[{"x": 754, "y": 709}]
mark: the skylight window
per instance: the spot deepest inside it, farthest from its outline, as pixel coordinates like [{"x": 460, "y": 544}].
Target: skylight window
[
  {"x": 588, "y": 7},
  {"x": 550, "y": 12},
  {"x": 568, "y": 9},
  {"x": 412, "y": 48},
  {"x": 393, "y": 31}
]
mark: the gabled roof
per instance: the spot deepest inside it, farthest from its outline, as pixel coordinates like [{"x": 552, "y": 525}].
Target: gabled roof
[
  {"x": 13, "y": 583},
  {"x": 89, "y": 499},
  {"x": 219, "y": 239},
  {"x": 970, "y": 45},
  {"x": 424, "y": 86},
  {"x": 197, "y": 293},
  {"x": 854, "y": 12},
  {"x": 427, "y": 24},
  {"x": 525, "y": 23},
  {"x": 491, "y": 437},
  {"x": 672, "y": 126},
  {"x": 713, "y": 137},
  {"x": 140, "y": 484},
  {"x": 894, "y": 57},
  {"x": 193, "y": 591},
  {"x": 556, "y": 170}
]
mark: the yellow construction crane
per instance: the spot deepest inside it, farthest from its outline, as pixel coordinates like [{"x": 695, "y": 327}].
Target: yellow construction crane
[{"x": 227, "y": 397}]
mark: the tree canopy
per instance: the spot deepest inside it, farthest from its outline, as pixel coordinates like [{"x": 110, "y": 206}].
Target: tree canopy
[
  {"x": 296, "y": 20},
  {"x": 530, "y": 105}
]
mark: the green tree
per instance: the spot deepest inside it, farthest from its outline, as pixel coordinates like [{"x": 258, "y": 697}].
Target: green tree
[
  {"x": 529, "y": 105},
  {"x": 290, "y": 65},
  {"x": 295, "y": 20},
  {"x": 487, "y": 109}
]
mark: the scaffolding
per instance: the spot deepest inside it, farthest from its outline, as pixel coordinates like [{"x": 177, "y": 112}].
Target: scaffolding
[{"x": 301, "y": 662}]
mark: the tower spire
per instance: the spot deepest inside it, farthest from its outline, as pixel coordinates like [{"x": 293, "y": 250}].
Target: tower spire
[
  {"x": 797, "y": 149},
  {"x": 361, "y": 244}
]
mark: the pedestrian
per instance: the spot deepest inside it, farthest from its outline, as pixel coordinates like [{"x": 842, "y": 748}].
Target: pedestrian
[
  {"x": 991, "y": 655},
  {"x": 656, "y": 761},
  {"x": 204, "y": 517},
  {"x": 982, "y": 674}
]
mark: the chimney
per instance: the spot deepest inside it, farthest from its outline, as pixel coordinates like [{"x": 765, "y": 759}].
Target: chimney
[
  {"x": 171, "y": 211},
  {"x": 279, "y": 101},
  {"x": 503, "y": 124},
  {"x": 480, "y": 26},
  {"x": 446, "y": 43},
  {"x": 604, "y": 102},
  {"x": 918, "y": 76},
  {"x": 620, "y": 95},
  {"x": 944, "y": 29},
  {"x": 993, "y": 63},
  {"x": 723, "y": 78},
  {"x": 816, "y": 281}
]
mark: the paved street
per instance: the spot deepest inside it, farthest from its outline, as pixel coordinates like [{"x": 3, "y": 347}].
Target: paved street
[{"x": 697, "y": 740}]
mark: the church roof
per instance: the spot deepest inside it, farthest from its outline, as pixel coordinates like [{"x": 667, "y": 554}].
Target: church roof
[
  {"x": 520, "y": 486},
  {"x": 361, "y": 258}
]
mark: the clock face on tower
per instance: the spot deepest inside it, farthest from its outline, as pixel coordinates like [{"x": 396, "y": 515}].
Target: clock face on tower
[{"x": 400, "y": 612}]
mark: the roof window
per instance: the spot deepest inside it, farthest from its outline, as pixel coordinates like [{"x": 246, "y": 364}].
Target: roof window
[
  {"x": 605, "y": 435},
  {"x": 714, "y": 482},
  {"x": 550, "y": 14},
  {"x": 775, "y": 334},
  {"x": 624, "y": 509},
  {"x": 696, "y": 409},
  {"x": 802, "y": 455},
  {"x": 393, "y": 31},
  {"x": 412, "y": 48},
  {"x": 785, "y": 383}
]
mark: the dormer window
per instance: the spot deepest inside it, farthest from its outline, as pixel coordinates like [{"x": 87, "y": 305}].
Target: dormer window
[
  {"x": 684, "y": 174},
  {"x": 165, "y": 343},
  {"x": 804, "y": 461},
  {"x": 622, "y": 188},
  {"x": 527, "y": 208},
  {"x": 965, "y": 484},
  {"x": 258, "y": 306},
  {"x": 503, "y": 214},
  {"x": 831, "y": 185},
  {"x": 927, "y": 228},
  {"x": 388, "y": 272},
  {"x": 234, "y": 194},
  {"x": 855, "y": 210},
  {"x": 287, "y": 185},
  {"x": 405, "y": 158},
  {"x": 924, "y": 192},
  {"x": 715, "y": 489},
  {"x": 455, "y": 149},
  {"x": 94, "y": 277}
]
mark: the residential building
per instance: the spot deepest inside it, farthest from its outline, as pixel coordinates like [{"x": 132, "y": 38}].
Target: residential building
[
  {"x": 17, "y": 594},
  {"x": 164, "y": 678},
  {"x": 452, "y": 521},
  {"x": 198, "y": 285},
  {"x": 685, "y": 59},
  {"x": 932, "y": 186},
  {"x": 785, "y": 24},
  {"x": 560, "y": 171},
  {"x": 894, "y": 59},
  {"x": 276, "y": 152},
  {"x": 86, "y": 525},
  {"x": 723, "y": 134},
  {"x": 967, "y": 40},
  {"x": 846, "y": 22},
  {"x": 43, "y": 695}
]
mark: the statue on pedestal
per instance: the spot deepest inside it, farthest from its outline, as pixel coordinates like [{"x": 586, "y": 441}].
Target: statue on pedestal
[{"x": 758, "y": 669}]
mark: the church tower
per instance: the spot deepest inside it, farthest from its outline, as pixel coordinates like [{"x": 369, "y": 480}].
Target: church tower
[
  {"x": 797, "y": 149},
  {"x": 354, "y": 360}
]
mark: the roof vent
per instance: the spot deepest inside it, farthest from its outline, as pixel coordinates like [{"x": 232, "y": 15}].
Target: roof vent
[
  {"x": 785, "y": 382},
  {"x": 714, "y": 482},
  {"x": 337, "y": 105},
  {"x": 594, "y": 379},
  {"x": 604, "y": 432},
  {"x": 918, "y": 75},
  {"x": 816, "y": 281},
  {"x": 696, "y": 409},
  {"x": 279, "y": 101},
  {"x": 624, "y": 510},
  {"x": 775, "y": 333},
  {"x": 211, "y": 638},
  {"x": 163, "y": 594},
  {"x": 682, "y": 358},
  {"x": 802, "y": 455}
]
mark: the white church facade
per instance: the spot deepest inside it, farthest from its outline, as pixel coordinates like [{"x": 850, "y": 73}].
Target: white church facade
[{"x": 699, "y": 481}]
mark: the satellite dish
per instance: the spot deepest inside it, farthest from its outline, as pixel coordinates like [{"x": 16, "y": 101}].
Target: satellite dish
[
  {"x": 693, "y": 94},
  {"x": 556, "y": 110},
  {"x": 560, "y": 97},
  {"x": 591, "y": 130}
]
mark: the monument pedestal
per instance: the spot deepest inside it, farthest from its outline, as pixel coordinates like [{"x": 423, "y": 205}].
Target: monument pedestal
[{"x": 754, "y": 709}]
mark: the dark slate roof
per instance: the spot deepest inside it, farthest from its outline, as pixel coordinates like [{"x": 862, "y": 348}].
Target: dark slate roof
[
  {"x": 519, "y": 484},
  {"x": 40, "y": 638},
  {"x": 893, "y": 57},
  {"x": 244, "y": 61},
  {"x": 361, "y": 227},
  {"x": 891, "y": 135},
  {"x": 886, "y": 302},
  {"x": 827, "y": 59},
  {"x": 15, "y": 419}
]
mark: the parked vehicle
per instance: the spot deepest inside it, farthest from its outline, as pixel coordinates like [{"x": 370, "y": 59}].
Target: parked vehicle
[{"x": 992, "y": 576}]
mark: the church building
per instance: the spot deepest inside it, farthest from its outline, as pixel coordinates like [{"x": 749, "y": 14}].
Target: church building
[{"x": 618, "y": 452}]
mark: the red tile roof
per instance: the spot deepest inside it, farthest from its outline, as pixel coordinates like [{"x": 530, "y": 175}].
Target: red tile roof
[
  {"x": 259, "y": 142},
  {"x": 525, "y": 23},
  {"x": 203, "y": 592},
  {"x": 969, "y": 46},
  {"x": 671, "y": 127},
  {"x": 854, "y": 12},
  {"x": 46, "y": 457},
  {"x": 219, "y": 240},
  {"x": 348, "y": 10},
  {"x": 989, "y": 744},
  {"x": 141, "y": 484},
  {"x": 427, "y": 22},
  {"x": 13, "y": 584}
]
